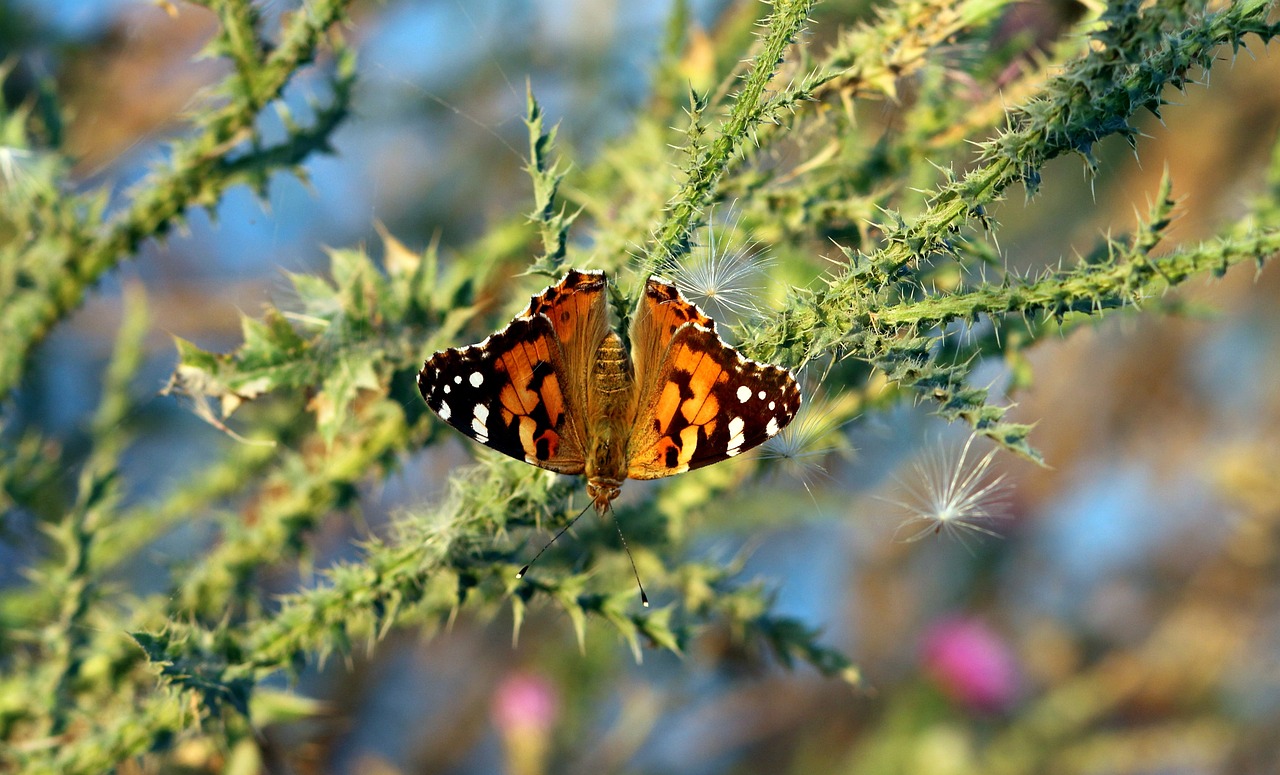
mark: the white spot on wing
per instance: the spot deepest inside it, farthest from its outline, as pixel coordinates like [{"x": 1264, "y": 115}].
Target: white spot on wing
[
  {"x": 444, "y": 411},
  {"x": 446, "y": 388},
  {"x": 772, "y": 405},
  {"x": 477, "y": 379},
  {"x": 772, "y": 428},
  {"x": 744, "y": 393},
  {"x": 760, "y": 395},
  {"x": 457, "y": 379},
  {"x": 479, "y": 416},
  {"x": 736, "y": 426}
]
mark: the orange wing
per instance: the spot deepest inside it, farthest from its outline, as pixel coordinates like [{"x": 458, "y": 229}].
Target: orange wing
[
  {"x": 700, "y": 401},
  {"x": 520, "y": 390}
]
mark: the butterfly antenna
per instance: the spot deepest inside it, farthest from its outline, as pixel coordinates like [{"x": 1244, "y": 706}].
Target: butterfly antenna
[
  {"x": 525, "y": 569},
  {"x": 643, "y": 597}
]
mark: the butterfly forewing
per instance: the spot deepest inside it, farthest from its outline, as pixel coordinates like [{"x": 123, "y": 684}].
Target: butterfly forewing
[
  {"x": 521, "y": 390},
  {"x": 755, "y": 400},
  {"x": 700, "y": 402}
]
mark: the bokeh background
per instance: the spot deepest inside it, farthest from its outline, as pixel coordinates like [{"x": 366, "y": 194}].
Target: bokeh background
[{"x": 1127, "y": 619}]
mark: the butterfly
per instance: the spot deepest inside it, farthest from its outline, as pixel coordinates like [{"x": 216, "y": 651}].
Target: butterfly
[{"x": 557, "y": 388}]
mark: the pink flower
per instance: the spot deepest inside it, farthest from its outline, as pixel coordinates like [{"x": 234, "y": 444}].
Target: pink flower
[
  {"x": 524, "y": 702},
  {"x": 525, "y": 708},
  {"x": 971, "y": 664}
]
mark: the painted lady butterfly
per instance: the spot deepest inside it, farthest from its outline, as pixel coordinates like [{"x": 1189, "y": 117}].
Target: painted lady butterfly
[{"x": 556, "y": 388}]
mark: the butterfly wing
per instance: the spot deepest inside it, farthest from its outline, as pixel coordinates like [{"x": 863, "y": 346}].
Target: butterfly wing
[
  {"x": 701, "y": 401},
  {"x": 519, "y": 390},
  {"x": 661, "y": 313},
  {"x": 577, "y": 311}
]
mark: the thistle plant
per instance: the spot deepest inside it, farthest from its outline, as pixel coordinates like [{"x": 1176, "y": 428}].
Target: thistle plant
[{"x": 882, "y": 246}]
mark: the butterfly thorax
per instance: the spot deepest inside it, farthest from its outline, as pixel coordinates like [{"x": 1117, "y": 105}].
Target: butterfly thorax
[{"x": 611, "y": 406}]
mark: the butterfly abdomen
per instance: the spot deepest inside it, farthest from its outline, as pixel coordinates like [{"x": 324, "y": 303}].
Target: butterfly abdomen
[
  {"x": 611, "y": 407},
  {"x": 612, "y": 373}
]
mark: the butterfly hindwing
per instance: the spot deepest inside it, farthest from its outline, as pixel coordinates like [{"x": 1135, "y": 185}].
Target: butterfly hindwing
[
  {"x": 702, "y": 401},
  {"x": 661, "y": 313}
]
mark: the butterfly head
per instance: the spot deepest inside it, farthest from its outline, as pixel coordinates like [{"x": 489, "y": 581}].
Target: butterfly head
[{"x": 602, "y": 490}]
